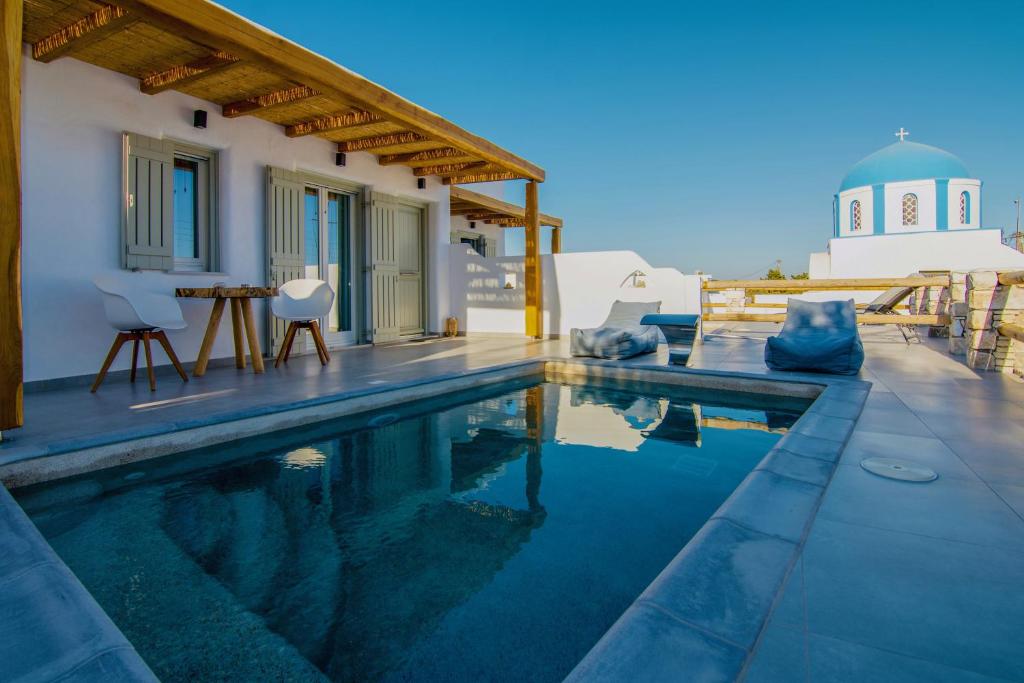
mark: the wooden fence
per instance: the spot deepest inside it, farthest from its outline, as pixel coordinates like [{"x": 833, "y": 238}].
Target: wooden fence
[{"x": 838, "y": 285}]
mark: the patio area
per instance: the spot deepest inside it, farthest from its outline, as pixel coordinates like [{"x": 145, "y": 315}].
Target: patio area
[{"x": 895, "y": 581}]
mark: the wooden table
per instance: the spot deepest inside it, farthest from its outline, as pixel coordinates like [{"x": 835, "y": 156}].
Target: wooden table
[{"x": 241, "y": 312}]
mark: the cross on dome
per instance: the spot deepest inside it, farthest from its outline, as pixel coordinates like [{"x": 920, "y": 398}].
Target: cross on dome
[{"x": 902, "y": 133}]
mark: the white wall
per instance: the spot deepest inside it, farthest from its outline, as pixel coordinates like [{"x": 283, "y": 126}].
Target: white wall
[
  {"x": 900, "y": 255},
  {"x": 579, "y": 289},
  {"x": 73, "y": 117},
  {"x": 494, "y": 234},
  {"x": 973, "y": 188},
  {"x": 925, "y": 191},
  {"x": 867, "y": 211}
]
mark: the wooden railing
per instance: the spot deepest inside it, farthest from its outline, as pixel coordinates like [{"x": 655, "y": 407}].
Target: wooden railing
[{"x": 838, "y": 285}]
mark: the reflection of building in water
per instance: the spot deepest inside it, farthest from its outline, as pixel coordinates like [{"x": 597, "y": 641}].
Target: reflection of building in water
[
  {"x": 589, "y": 416},
  {"x": 351, "y": 548}
]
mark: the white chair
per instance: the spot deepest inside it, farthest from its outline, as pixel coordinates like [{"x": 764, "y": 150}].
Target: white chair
[
  {"x": 139, "y": 308},
  {"x": 302, "y": 303}
]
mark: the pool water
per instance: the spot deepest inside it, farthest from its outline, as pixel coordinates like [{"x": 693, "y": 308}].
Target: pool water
[{"x": 494, "y": 537}]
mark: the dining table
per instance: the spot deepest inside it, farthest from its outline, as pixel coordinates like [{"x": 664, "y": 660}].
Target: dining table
[{"x": 242, "y": 322}]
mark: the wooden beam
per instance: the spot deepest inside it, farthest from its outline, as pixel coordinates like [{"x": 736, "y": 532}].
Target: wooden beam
[
  {"x": 428, "y": 155},
  {"x": 863, "y": 318},
  {"x": 380, "y": 141},
  {"x": 87, "y": 31},
  {"x": 534, "y": 280},
  {"x": 448, "y": 169},
  {"x": 179, "y": 76},
  {"x": 826, "y": 285},
  {"x": 264, "y": 103},
  {"x": 1015, "y": 277},
  {"x": 210, "y": 24},
  {"x": 11, "y": 374},
  {"x": 489, "y": 177},
  {"x": 556, "y": 240},
  {"x": 329, "y": 123},
  {"x": 483, "y": 216}
]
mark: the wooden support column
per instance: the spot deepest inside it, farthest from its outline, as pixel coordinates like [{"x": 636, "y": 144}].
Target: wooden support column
[
  {"x": 11, "y": 411},
  {"x": 534, "y": 295},
  {"x": 556, "y": 240}
]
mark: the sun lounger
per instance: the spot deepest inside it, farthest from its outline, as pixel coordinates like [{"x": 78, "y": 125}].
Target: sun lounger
[
  {"x": 886, "y": 303},
  {"x": 680, "y": 332},
  {"x": 817, "y": 337},
  {"x": 622, "y": 335}
]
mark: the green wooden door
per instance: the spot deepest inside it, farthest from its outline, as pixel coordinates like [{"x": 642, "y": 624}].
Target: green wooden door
[
  {"x": 384, "y": 268},
  {"x": 285, "y": 239}
]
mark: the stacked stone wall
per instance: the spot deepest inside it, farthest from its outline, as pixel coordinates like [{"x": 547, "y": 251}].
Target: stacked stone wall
[{"x": 989, "y": 305}]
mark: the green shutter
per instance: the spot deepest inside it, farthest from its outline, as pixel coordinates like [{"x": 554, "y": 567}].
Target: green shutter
[
  {"x": 148, "y": 202},
  {"x": 286, "y": 253},
  {"x": 488, "y": 245},
  {"x": 384, "y": 268}
]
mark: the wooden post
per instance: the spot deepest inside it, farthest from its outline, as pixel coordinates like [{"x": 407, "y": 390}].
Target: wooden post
[
  {"x": 556, "y": 240},
  {"x": 11, "y": 377},
  {"x": 534, "y": 295}
]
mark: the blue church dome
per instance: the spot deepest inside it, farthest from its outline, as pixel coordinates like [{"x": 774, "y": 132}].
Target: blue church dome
[{"x": 904, "y": 161}]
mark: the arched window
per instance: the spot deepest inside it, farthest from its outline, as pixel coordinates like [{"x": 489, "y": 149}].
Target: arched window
[
  {"x": 855, "y": 221},
  {"x": 965, "y": 208},
  {"x": 910, "y": 209}
]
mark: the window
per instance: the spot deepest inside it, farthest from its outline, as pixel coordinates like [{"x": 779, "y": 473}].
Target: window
[
  {"x": 855, "y": 215},
  {"x": 476, "y": 242},
  {"x": 170, "y": 209},
  {"x": 965, "y": 208},
  {"x": 910, "y": 209}
]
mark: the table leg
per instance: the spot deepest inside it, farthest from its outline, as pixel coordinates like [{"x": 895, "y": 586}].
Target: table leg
[
  {"x": 236, "y": 330},
  {"x": 250, "y": 332},
  {"x": 211, "y": 335}
]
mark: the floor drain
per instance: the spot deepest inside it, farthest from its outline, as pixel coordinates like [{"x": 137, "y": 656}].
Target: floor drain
[{"x": 898, "y": 469}]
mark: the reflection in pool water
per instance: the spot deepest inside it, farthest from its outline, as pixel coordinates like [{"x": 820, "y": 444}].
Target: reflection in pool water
[{"x": 494, "y": 540}]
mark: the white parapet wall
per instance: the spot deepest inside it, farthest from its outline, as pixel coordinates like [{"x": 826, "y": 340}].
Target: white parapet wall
[
  {"x": 901, "y": 255},
  {"x": 488, "y": 294}
]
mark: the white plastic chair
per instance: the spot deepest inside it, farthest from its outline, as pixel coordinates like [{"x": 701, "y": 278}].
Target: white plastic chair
[
  {"x": 139, "y": 308},
  {"x": 302, "y": 303}
]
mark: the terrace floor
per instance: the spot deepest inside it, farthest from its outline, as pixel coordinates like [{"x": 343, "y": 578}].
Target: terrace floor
[{"x": 897, "y": 581}]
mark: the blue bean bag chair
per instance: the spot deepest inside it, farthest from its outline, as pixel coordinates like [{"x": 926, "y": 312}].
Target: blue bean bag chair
[
  {"x": 621, "y": 335},
  {"x": 817, "y": 337}
]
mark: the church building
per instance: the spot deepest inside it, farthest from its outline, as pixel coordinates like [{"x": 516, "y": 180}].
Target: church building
[{"x": 906, "y": 208}]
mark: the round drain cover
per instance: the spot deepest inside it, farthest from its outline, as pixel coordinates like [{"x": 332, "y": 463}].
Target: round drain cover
[{"x": 898, "y": 469}]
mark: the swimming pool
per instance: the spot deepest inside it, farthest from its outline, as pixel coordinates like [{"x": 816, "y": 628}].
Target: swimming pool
[{"x": 493, "y": 535}]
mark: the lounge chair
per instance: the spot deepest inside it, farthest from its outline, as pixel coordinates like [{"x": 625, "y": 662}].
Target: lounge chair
[
  {"x": 680, "y": 332},
  {"x": 886, "y": 303},
  {"x": 621, "y": 335},
  {"x": 817, "y": 337}
]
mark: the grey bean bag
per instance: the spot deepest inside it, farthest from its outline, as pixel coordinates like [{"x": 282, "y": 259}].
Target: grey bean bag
[
  {"x": 621, "y": 335},
  {"x": 817, "y": 337}
]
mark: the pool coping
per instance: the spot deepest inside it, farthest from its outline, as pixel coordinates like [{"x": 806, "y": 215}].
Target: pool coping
[{"x": 665, "y": 630}]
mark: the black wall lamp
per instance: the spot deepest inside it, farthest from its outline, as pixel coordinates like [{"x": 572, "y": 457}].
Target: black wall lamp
[
  {"x": 199, "y": 118},
  {"x": 421, "y": 183},
  {"x": 339, "y": 159},
  {"x": 472, "y": 225}
]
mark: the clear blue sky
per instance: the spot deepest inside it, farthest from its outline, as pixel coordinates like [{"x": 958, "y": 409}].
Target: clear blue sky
[{"x": 708, "y": 135}]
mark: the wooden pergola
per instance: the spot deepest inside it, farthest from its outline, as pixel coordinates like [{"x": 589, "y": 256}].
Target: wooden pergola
[
  {"x": 204, "y": 50},
  {"x": 490, "y": 211}
]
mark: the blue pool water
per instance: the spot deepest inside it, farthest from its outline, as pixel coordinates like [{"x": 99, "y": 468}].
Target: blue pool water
[{"x": 487, "y": 537}]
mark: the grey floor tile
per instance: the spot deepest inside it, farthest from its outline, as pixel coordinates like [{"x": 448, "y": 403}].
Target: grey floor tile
[
  {"x": 887, "y": 414},
  {"x": 771, "y": 504},
  {"x": 926, "y": 450},
  {"x": 996, "y": 457},
  {"x": 1013, "y": 495},
  {"x": 953, "y": 509},
  {"x": 839, "y": 661},
  {"x": 725, "y": 581},
  {"x": 781, "y": 656},
  {"x": 789, "y": 610},
  {"x": 952, "y": 603},
  {"x": 648, "y": 645}
]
